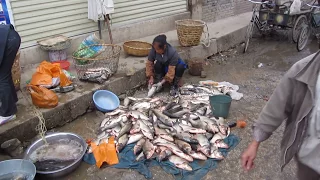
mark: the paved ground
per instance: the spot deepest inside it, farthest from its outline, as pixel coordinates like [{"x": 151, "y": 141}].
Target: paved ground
[{"x": 256, "y": 83}]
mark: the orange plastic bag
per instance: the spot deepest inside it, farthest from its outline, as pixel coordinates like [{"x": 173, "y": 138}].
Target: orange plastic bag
[
  {"x": 43, "y": 97},
  {"x": 105, "y": 153},
  {"x": 45, "y": 72}
]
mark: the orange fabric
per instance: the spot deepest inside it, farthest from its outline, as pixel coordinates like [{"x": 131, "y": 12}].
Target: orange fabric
[
  {"x": 46, "y": 71},
  {"x": 43, "y": 97},
  {"x": 105, "y": 153},
  {"x": 149, "y": 69},
  {"x": 170, "y": 74}
]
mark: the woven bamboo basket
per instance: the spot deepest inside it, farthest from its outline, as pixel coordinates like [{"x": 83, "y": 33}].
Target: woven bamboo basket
[
  {"x": 107, "y": 57},
  {"x": 189, "y": 31},
  {"x": 16, "y": 72},
  {"x": 137, "y": 48},
  {"x": 55, "y": 43}
]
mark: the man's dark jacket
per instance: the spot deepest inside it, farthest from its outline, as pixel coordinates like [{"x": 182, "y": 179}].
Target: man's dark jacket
[{"x": 4, "y": 31}]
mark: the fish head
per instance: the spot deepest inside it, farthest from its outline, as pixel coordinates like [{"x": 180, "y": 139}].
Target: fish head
[
  {"x": 150, "y": 153},
  {"x": 184, "y": 166}
]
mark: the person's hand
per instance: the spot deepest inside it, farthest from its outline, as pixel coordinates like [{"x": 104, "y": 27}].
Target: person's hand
[
  {"x": 249, "y": 155},
  {"x": 150, "y": 82},
  {"x": 158, "y": 86}
]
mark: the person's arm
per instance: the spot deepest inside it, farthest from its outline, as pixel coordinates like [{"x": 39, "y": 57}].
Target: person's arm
[
  {"x": 173, "y": 61},
  {"x": 276, "y": 110},
  {"x": 150, "y": 64}
]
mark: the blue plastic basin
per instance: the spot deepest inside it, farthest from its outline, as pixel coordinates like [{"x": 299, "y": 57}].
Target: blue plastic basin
[{"x": 105, "y": 101}]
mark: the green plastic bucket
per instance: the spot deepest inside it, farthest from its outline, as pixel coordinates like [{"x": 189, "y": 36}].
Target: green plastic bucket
[{"x": 220, "y": 105}]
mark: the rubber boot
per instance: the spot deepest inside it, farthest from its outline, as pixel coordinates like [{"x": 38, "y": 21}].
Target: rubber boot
[{"x": 175, "y": 86}]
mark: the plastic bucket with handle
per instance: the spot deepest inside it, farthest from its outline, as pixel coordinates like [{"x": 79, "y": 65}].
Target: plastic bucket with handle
[{"x": 220, "y": 105}]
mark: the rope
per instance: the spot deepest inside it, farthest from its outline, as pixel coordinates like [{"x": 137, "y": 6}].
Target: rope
[{"x": 41, "y": 127}]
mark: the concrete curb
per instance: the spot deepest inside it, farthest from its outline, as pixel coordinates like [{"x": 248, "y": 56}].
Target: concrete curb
[{"x": 24, "y": 129}]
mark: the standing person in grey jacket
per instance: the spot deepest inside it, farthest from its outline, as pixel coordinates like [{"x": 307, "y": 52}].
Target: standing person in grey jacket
[
  {"x": 9, "y": 46},
  {"x": 296, "y": 100}
]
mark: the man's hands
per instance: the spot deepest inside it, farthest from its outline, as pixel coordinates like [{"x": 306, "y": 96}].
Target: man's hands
[{"x": 249, "y": 155}]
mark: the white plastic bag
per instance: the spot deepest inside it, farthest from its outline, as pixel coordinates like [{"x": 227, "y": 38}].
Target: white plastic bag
[{"x": 295, "y": 7}]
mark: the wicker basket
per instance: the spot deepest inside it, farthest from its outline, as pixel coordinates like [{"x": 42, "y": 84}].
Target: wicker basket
[
  {"x": 189, "y": 31},
  {"x": 16, "y": 72},
  {"x": 137, "y": 48},
  {"x": 55, "y": 43},
  {"x": 108, "y": 57}
]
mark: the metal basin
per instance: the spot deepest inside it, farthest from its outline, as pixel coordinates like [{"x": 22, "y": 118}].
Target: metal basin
[
  {"x": 14, "y": 168},
  {"x": 53, "y": 138}
]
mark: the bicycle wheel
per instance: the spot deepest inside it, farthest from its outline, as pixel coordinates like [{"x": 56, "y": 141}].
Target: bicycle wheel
[
  {"x": 297, "y": 27},
  {"x": 248, "y": 36},
  {"x": 303, "y": 37}
]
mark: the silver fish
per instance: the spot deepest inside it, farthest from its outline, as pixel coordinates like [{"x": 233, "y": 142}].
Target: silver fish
[
  {"x": 202, "y": 111},
  {"x": 140, "y": 157},
  {"x": 180, "y": 163},
  {"x": 152, "y": 91},
  {"x": 197, "y": 155},
  {"x": 124, "y": 130},
  {"x": 217, "y": 137},
  {"x": 163, "y": 118},
  {"x": 178, "y": 114},
  {"x": 101, "y": 135},
  {"x": 192, "y": 129},
  {"x": 103, "y": 123},
  {"x": 162, "y": 126},
  {"x": 115, "y": 112},
  {"x": 122, "y": 142},
  {"x": 148, "y": 149},
  {"x": 214, "y": 153},
  {"x": 204, "y": 144},
  {"x": 162, "y": 133},
  {"x": 164, "y": 153},
  {"x": 145, "y": 130},
  {"x": 126, "y": 102},
  {"x": 185, "y": 137},
  {"x": 134, "y": 138},
  {"x": 138, "y": 147},
  {"x": 161, "y": 140},
  {"x": 141, "y": 105},
  {"x": 154, "y": 118},
  {"x": 135, "y": 128},
  {"x": 198, "y": 124},
  {"x": 177, "y": 151},
  {"x": 185, "y": 147},
  {"x": 112, "y": 123}
]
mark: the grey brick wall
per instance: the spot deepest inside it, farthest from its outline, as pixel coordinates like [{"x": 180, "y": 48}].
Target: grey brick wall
[{"x": 213, "y": 10}]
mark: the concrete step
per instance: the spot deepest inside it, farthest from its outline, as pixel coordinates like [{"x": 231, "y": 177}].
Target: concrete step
[{"x": 224, "y": 34}]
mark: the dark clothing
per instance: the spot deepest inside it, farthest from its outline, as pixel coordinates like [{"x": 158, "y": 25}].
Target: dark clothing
[
  {"x": 170, "y": 59},
  {"x": 161, "y": 69},
  {"x": 9, "y": 47},
  {"x": 306, "y": 173},
  {"x": 4, "y": 31}
]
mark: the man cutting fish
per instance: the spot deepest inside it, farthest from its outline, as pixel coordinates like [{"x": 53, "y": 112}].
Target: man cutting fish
[
  {"x": 296, "y": 100},
  {"x": 164, "y": 65}
]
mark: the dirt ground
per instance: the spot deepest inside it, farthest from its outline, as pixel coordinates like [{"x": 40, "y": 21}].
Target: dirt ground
[{"x": 256, "y": 83}]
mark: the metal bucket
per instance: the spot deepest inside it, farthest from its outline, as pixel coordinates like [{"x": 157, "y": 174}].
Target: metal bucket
[
  {"x": 14, "y": 168},
  {"x": 220, "y": 105}
]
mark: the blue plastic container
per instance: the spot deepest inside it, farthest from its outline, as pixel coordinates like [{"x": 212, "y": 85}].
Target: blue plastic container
[{"x": 105, "y": 101}]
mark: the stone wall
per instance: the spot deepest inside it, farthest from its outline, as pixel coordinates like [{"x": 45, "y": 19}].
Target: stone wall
[{"x": 213, "y": 10}]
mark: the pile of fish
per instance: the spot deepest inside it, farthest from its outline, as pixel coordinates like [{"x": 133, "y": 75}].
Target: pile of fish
[
  {"x": 99, "y": 75},
  {"x": 180, "y": 129}
]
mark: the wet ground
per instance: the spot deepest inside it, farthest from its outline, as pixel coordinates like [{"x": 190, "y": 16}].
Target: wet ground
[{"x": 257, "y": 73}]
